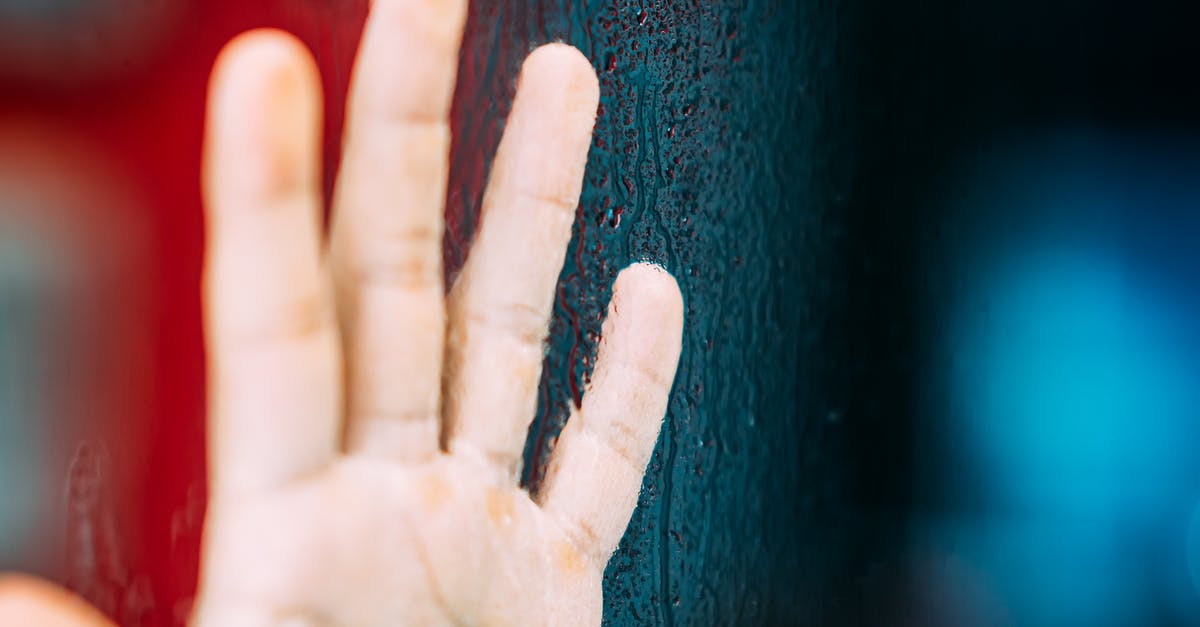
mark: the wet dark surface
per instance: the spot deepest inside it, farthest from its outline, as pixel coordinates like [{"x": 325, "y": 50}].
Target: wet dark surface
[{"x": 715, "y": 156}]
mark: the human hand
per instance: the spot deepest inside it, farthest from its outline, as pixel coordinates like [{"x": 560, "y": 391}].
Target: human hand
[{"x": 366, "y": 429}]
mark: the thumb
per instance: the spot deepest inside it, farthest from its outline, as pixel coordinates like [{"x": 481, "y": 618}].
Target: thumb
[{"x": 34, "y": 603}]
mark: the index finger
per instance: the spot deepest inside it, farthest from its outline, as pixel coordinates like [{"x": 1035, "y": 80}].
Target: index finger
[{"x": 272, "y": 343}]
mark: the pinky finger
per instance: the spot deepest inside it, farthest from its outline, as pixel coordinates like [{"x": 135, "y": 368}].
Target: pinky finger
[{"x": 592, "y": 485}]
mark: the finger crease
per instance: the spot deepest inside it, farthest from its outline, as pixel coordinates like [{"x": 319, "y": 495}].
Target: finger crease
[
  {"x": 583, "y": 537},
  {"x": 560, "y": 203},
  {"x": 403, "y": 416},
  {"x": 623, "y": 450},
  {"x": 405, "y": 122},
  {"x": 521, "y": 321},
  {"x": 304, "y": 319},
  {"x": 405, "y": 270}
]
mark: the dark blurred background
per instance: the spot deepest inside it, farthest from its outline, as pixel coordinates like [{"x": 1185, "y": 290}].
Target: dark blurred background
[{"x": 940, "y": 364}]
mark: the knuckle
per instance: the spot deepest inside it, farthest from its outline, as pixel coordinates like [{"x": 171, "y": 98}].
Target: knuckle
[
  {"x": 425, "y": 129},
  {"x": 637, "y": 361},
  {"x": 651, "y": 373},
  {"x": 584, "y": 537},
  {"x": 400, "y": 129},
  {"x": 293, "y": 320},
  {"x": 522, "y": 322},
  {"x": 621, "y": 440},
  {"x": 552, "y": 198},
  {"x": 402, "y": 256},
  {"x": 304, "y": 317}
]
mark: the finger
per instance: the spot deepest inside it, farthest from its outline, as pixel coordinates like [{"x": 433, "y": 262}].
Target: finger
[
  {"x": 273, "y": 357},
  {"x": 33, "y": 603},
  {"x": 387, "y": 240},
  {"x": 595, "y": 474},
  {"x": 500, "y": 305}
]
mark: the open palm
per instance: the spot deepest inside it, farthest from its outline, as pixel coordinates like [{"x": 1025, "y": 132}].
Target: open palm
[{"x": 366, "y": 428}]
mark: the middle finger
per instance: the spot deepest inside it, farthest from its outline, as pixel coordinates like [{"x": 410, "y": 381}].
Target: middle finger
[{"x": 387, "y": 236}]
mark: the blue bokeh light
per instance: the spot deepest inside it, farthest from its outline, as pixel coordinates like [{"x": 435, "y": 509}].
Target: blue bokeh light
[
  {"x": 1080, "y": 385},
  {"x": 1075, "y": 390}
]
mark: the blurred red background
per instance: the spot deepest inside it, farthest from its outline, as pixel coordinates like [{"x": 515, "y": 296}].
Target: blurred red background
[{"x": 101, "y": 125}]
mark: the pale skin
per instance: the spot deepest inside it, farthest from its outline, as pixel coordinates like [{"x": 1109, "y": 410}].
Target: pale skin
[{"x": 366, "y": 427}]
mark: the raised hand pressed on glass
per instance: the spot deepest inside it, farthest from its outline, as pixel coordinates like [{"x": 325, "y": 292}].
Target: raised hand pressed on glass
[{"x": 365, "y": 428}]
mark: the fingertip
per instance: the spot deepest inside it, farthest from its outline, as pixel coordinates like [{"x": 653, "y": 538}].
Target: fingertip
[
  {"x": 264, "y": 117},
  {"x": 644, "y": 328},
  {"x": 651, "y": 291},
  {"x": 565, "y": 67},
  {"x": 544, "y": 151},
  {"x": 265, "y": 58}
]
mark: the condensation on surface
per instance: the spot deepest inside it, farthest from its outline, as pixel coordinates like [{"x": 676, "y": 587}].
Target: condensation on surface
[
  {"x": 711, "y": 128},
  {"x": 719, "y": 152}
]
